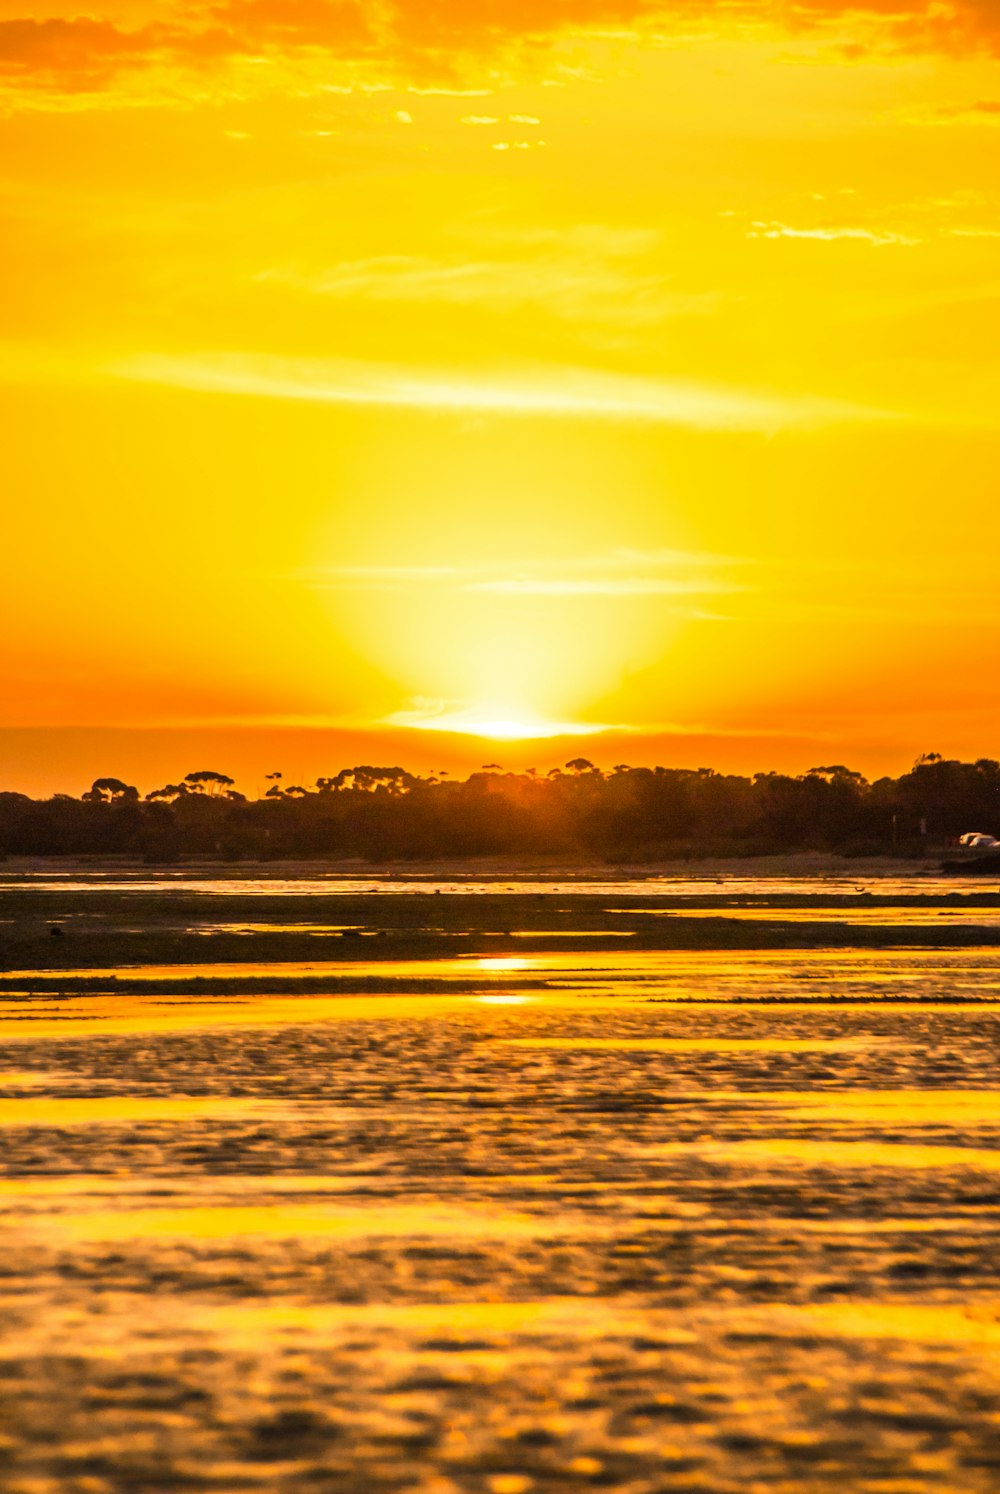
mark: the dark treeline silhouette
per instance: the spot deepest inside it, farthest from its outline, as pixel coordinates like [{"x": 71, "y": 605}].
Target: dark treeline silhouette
[{"x": 625, "y": 814}]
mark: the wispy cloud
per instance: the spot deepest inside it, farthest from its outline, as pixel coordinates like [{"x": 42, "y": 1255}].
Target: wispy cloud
[
  {"x": 597, "y": 586},
  {"x": 545, "y": 391},
  {"x": 380, "y": 577},
  {"x": 620, "y": 574},
  {"x": 574, "y": 282},
  {"x": 828, "y": 235},
  {"x": 495, "y": 119},
  {"x": 494, "y": 724},
  {"x": 980, "y": 112},
  {"x": 491, "y": 723}
]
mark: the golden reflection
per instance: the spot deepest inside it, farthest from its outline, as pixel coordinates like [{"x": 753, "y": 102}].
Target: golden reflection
[
  {"x": 110, "y": 1110},
  {"x": 880, "y": 1107},
  {"x": 572, "y": 934},
  {"x": 504, "y": 1000},
  {"x": 476, "y": 1320},
  {"x": 700, "y": 970},
  {"x": 850, "y": 914},
  {"x": 926, "y": 1323},
  {"x": 337, "y": 1220},
  {"x": 824, "y": 1152},
  {"x": 107, "y": 1014},
  {"x": 30, "y": 1077},
  {"x": 697, "y": 1045}
]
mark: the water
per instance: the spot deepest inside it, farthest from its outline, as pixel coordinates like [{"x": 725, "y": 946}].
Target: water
[
  {"x": 706, "y": 976},
  {"x": 520, "y": 1222},
  {"x": 184, "y": 883}
]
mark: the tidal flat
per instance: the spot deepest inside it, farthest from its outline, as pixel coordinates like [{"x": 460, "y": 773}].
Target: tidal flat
[{"x": 498, "y": 1185}]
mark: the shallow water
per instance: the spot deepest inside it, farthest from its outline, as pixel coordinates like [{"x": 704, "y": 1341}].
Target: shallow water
[
  {"x": 683, "y": 974},
  {"x": 856, "y": 914},
  {"x": 183, "y": 883},
  {"x": 646, "y": 1220}
]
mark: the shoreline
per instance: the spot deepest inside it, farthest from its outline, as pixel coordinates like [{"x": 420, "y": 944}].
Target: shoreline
[{"x": 483, "y": 868}]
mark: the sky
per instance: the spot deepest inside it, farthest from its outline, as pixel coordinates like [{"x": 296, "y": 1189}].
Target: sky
[{"x": 477, "y": 380}]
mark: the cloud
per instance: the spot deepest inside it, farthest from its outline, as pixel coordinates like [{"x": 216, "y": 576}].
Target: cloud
[
  {"x": 619, "y": 574},
  {"x": 456, "y": 46},
  {"x": 76, "y": 53},
  {"x": 575, "y": 278},
  {"x": 492, "y": 723},
  {"x": 681, "y": 579},
  {"x": 81, "y": 55},
  {"x": 394, "y": 572},
  {"x": 983, "y": 111},
  {"x": 380, "y": 577},
  {"x": 544, "y": 391},
  {"x": 340, "y": 25},
  {"x": 388, "y": 43},
  {"x": 829, "y": 235},
  {"x": 596, "y": 586}
]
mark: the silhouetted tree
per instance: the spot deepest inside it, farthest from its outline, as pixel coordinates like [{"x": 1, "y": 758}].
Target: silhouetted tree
[
  {"x": 204, "y": 780},
  {"x": 581, "y": 765},
  {"x": 110, "y": 791},
  {"x": 579, "y": 809},
  {"x": 168, "y": 793}
]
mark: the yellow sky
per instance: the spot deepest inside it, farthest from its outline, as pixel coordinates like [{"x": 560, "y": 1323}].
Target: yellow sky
[{"x": 368, "y": 368}]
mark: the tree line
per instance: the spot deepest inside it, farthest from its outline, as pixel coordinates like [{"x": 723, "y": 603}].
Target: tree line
[{"x": 578, "y": 810}]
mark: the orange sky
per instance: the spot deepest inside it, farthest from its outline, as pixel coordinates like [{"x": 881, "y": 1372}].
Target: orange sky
[{"x": 377, "y": 373}]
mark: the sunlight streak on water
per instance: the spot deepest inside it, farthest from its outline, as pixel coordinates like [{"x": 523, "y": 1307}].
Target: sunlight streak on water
[
  {"x": 855, "y": 914},
  {"x": 425, "y": 989},
  {"x": 509, "y": 1000}
]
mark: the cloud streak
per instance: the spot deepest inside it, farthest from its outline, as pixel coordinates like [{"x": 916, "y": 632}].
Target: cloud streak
[
  {"x": 542, "y": 391},
  {"x": 479, "y": 722},
  {"x": 598, "y": 586},
  {"x": 879, "y": 238},
  {"x": 677, "y": 577},
  {"x": 576, "y": 278}
]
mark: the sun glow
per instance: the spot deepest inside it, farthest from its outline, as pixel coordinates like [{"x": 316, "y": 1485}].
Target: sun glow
[{"x": 498, "y": 728}]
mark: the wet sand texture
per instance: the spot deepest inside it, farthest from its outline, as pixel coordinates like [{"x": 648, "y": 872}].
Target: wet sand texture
[{"x": 638, "y": 1219}]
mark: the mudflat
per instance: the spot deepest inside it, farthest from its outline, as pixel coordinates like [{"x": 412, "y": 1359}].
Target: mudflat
[{"x": 533, "y": 1183}]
